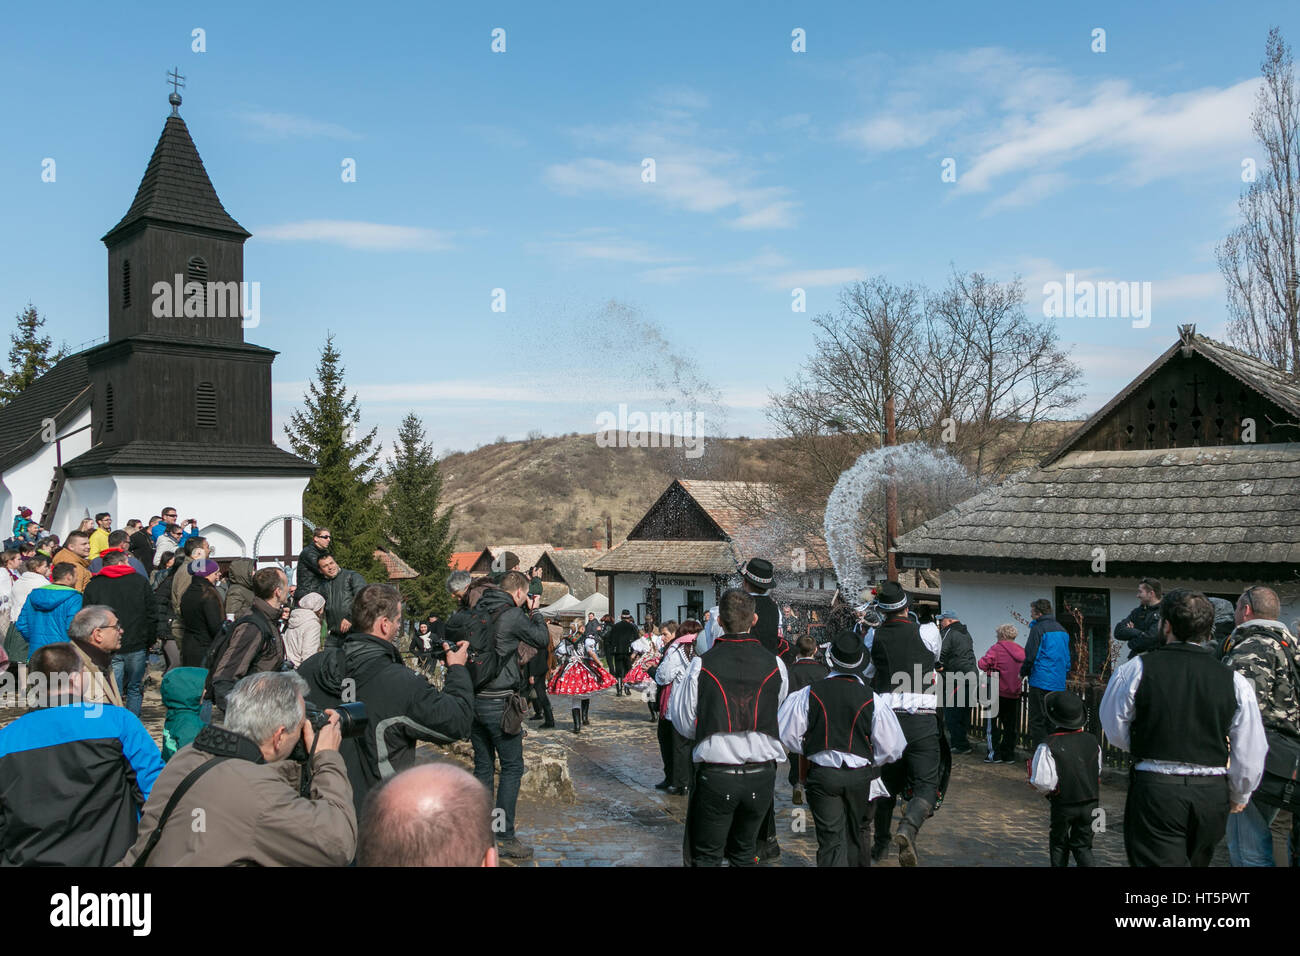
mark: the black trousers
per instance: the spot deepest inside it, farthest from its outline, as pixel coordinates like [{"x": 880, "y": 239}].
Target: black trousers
[
  {"x": 619, "y": 665},
  {"x": 725, "y": 812},
  {"x": 1006, "y": 728},
  {"x": 664, "y": 732},
  {"x": 1039, "y": 725},
  {"x": 1071, "y": 833},
  {"x": 1173, "y": 820},
  {"x": 541, "y": 702},
  {"x": 917, "y": 772},
  {"x": 839, "y": 798}
]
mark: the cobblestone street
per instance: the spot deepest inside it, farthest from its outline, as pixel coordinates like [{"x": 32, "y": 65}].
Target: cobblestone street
[{"x": 991, "y": 816}]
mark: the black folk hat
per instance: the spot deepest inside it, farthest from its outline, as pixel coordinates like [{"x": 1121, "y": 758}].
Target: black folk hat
[
  {"x": 758, "y": 572},
  {"x": 891, "y": 596},
  {"x": 846, "y": 651},
  {"x": 1065, "y": 709}
]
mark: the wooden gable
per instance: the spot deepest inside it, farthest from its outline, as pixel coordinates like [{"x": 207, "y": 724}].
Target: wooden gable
[
  {"x": 676, "y": 516},
  {"x": 1197, "y": 394}
]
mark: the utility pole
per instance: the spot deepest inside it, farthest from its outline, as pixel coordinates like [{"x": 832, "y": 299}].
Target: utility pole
[{"x": 891, "y": 495}]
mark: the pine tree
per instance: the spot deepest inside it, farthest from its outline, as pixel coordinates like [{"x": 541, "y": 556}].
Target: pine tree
[
  {"x": 29, "y": 356},
  {"x": 419, "y": 535},
  {"x": 340, "y": 495}
]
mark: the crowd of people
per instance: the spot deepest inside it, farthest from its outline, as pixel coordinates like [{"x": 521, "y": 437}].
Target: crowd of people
[{"x": 293, "y": 717}]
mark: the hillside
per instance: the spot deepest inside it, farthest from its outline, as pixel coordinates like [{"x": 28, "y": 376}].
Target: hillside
[{"x": 560, "y": 489}]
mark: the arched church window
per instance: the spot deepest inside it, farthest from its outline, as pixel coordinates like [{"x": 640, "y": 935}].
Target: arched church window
[
  {"x": 205, "y": 405},
  {"x": 196, "y": 270}
]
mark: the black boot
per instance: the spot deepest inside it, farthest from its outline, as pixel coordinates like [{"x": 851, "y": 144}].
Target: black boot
[
  {"x": 577, "y": 720},
  {"x": 586, "y": 718},
  {"x": 654, "y": 714}
]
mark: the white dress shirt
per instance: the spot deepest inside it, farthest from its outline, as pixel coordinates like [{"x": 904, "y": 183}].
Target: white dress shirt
[
  {"x": 932, "y": 638},
  {"x": 887, "y": 740},
  {"x": 713, "y": 630},
  {"x": 1247, "y": 743},
  {"x": 673, "y": 665},
  {"x": 1043, "y": 772},
  {"x": 749, "y": 746}
]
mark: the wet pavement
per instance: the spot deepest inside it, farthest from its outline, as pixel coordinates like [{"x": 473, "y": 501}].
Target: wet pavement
[{"x": 990, "y": 816}]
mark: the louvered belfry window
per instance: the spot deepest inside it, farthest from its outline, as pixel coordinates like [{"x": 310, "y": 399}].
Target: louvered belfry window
[
  {"x": 196, "y": 270},
  {"x": 108, "y": 407},
  {"x": 205, "y": 405},
  {"x": 126, "y": 283}
]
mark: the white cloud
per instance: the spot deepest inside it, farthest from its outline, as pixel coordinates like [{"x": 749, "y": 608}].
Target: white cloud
[
  {"x": 818, "y": 278},
  {"x": 353, "y": 234},
  {"x": 599, "y": 243},
  {"x": 690, "y": 173},
  {"x": 1020, "y": 124},
  {"x": 269, "y": 125}
]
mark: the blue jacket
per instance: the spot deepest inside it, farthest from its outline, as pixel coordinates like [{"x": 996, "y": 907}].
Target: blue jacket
[
  {"x": 73, "y": 780},
  {"x": 1047, "y": 655},
  {"x": 47, "y": 614}
]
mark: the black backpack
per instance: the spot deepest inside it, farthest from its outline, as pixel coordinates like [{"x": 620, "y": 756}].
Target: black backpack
[
  {"x": 221, "y": 643},
  {"x": 481, "y": 632}
]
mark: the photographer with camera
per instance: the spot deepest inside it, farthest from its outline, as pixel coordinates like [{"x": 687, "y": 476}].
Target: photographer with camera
[
  {"x": 403, "y": 707},
  {"x": 241, "y": 783}
]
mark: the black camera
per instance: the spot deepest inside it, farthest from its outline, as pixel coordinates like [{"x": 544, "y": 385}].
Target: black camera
[
  {"x": 352, "y": 718},
  {"x": 352, "y": 723}
]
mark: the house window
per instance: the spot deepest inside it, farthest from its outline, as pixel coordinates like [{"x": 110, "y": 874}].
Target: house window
[
  {"x": 1092, "y": 607},
  {"x": 205, "y": 405},
  {"x": 126, "y": 283},
  {"x": 196, "y": 270},
  {"x": 108, "y": 407}
]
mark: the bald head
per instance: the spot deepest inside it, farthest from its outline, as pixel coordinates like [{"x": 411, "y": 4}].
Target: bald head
[{"x": 435, "y": 814}]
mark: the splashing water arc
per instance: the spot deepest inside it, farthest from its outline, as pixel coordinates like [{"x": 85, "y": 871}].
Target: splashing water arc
[{"x": 842, "y": 525}]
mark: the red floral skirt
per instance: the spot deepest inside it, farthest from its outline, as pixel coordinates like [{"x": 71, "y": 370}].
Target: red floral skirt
[{"x": 579, "y": 678}]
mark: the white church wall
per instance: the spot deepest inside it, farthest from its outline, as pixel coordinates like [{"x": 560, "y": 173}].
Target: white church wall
[
  {"x": 984, "y": 601},
  {"x": 28, "y": 482},
  {"x": 231, "y": 509}
]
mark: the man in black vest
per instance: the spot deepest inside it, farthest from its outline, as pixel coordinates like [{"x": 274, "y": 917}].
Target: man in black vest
[
  {"x": 727, "y": 703},
  {"x": 1180, "y": 713},
  {"x": 618, "y": 650},
  {"x": 835, "y": 723},
  {"x": 803, "y": 670},
  {"x": 903, "y": 677}
]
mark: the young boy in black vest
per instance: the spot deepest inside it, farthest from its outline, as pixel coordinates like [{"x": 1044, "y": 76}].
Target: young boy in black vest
[{"x": 1067, "y": 769}]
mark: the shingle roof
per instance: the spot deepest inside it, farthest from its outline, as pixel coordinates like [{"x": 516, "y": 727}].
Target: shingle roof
[
  {"x": 1235, "y": 504},
  {"x": 175, "y": 188},
  {"x": 572, "y": 563},
  {"x": 398, "y": 570},
  {"x": 463, "y": 560},
  {"x": 528, "y": 554},
  {"x": 177, "y": 457},
  {"x": 723, "y": 500},
  {"x": 669, "y": 557},
  {"x": 61, "y": 394}
]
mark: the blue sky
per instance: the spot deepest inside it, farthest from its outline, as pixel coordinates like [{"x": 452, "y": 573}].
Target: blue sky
[{"x": 522, "y": 171}]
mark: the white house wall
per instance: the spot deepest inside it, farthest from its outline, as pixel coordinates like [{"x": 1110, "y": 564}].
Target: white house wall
[
  {"x": 27, "y": 483},
  {"x": 984, "y": 601},
  {"x": 629, "y": 591}
]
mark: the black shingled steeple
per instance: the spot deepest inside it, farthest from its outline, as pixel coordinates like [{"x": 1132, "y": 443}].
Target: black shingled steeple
[{"x": 176, "y": 190}]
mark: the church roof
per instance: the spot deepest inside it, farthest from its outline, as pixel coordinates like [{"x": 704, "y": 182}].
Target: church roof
[
  {"x": 60, "y": 394},
  {"x": 176, "y": 190},
  {"x": 189, "y": 458}
]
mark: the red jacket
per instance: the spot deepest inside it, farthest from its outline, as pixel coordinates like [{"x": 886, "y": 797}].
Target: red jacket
[{"x": 1005, "y": 657}]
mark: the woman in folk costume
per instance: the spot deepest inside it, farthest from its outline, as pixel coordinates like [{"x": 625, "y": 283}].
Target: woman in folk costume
[
  {"x": 645, "y": 657},
  {"x": 578, "y": 676},
  {"x": 673, "y": 747}
]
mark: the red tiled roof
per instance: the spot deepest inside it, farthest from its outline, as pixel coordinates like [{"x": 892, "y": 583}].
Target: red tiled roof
[{"x": 463, "y": 560}]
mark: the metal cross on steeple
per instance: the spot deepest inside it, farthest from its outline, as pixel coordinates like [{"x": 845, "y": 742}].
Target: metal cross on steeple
[{"x": 178, "y": 83}]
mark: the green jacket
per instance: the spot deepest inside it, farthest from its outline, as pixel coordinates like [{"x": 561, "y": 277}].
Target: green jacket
[
  {"x": 182, "y": 693},
  {"x": 1255, "y": 651}
]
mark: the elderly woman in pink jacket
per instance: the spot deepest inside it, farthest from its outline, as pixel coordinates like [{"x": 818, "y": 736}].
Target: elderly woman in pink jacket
[{"x": 1004, "y": 659}]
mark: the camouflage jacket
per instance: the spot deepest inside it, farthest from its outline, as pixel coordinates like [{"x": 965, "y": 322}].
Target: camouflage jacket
[{"x": 1258, "y": 651}]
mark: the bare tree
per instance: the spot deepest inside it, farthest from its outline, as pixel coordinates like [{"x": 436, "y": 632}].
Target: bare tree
[
  {"x": 992, "y": 375},
  {"x": 1259, "y": 258}
]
